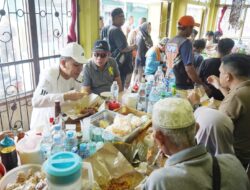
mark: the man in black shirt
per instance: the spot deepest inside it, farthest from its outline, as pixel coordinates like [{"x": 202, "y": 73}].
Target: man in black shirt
[
  {"x": 120, "y": 50},
  {"x": 211, "y": 66}
]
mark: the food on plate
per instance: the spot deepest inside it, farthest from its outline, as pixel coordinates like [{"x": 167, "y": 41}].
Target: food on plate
[
  {"x": 103, "y": 123},
  {"x": 30, "y": 181}
]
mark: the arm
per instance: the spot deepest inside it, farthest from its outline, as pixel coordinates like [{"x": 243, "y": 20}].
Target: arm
[
  {"x": 117, "y": 75},
  {"x": 86, "y": 84},
  {"x": 214, "y": 80},
  {"x": 120, "y": 41},
  {"x": 119, "y": 82},
  {"x": 192, "y": 74},
  {"x": 42, "y": 96},
  {"x": 187, "y": 59}
]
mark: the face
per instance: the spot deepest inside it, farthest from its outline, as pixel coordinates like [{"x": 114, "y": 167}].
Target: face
[
  {"x": 160, "y": 141},
  {"x": 224, "y": 77},
  {"x": 100, "y": 58},
  {"x": 119, "y": 19},
  {"x": 71, "y": 68},
  {"x": 189, "y": 31}
]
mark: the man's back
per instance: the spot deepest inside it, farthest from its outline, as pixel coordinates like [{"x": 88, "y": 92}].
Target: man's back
[
  {"x": 192, "y": 169},
  {"x": 207, "y": 68}
]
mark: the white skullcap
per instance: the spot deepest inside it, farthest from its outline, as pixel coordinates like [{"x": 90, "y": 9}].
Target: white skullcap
[{"x": 173, "y": 113}]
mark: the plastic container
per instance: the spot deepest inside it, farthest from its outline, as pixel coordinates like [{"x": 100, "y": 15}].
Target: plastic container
[
  {"x": 70, "y": 141},
  {"x": 57, "y": 145},
  {"x": 64, "y": 172},
  {"x": 29, "y": 149}
]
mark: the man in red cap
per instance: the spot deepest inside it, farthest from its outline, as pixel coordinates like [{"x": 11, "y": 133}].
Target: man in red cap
[{"x": 180, "y": 55}]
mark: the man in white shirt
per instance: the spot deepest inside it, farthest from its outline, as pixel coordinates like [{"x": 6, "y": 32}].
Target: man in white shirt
[{"x": 59, "y": 82}]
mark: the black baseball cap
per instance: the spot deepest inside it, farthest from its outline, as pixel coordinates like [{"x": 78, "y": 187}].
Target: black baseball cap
[{"x": 101, "y": 45}]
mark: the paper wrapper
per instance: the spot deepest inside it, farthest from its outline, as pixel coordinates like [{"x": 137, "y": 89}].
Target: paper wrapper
[
  {"x": 73, "y": 108},
  {"x": 112, "y": 171}
]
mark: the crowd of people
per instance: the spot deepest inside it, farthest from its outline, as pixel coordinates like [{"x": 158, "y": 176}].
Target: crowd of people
[{"x": 226, "y": 78}]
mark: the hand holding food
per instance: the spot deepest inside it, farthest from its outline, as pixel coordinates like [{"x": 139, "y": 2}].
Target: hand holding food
[
  {"x": 73, "y": 95},
  {"x": 214, "y": 80}
]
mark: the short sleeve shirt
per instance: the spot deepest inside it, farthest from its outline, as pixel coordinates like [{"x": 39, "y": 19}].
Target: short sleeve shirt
[
  {"x": 117, "y": 40},
  {"x": 100, "y": 81},
  {"x": 186, "y": 51}
]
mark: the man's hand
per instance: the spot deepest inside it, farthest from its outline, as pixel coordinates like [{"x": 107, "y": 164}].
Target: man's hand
[
  {"x": 73, "y": 95},
  {"x": 214, "y": 80},
  {"x": 3, "y": 133},
  {"x": 194, "y": 97}
]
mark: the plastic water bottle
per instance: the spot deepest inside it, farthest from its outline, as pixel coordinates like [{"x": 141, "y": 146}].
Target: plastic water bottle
[
  {"x": 114, "y": 91},
  {"x": 45, "y": 146},
  {"x": 57, "y": 145},
  {"x": 141, "y": 103},
  {"x": 70, "y": 143},
  {"x": 159, "y": 75},
  {"x": 58, "y": 130},
  {"x": 83, "y": 151},
  {"x": 152, "y": 99}
]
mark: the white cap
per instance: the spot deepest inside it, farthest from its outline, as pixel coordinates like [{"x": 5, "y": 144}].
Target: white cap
[
  {"x": 75, "y": 51},
  {"x": 173, "y": 113}
]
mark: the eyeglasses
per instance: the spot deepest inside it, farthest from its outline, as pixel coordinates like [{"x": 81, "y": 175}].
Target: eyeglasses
[{"x": 101, "y": 55}]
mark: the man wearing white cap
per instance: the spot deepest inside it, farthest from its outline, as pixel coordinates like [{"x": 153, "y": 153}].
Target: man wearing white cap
[
  {"x": 59, "y": 82},
  {"x": 189, "y": 166}
]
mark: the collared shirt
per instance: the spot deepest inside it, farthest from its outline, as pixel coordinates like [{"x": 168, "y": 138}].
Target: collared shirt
[
  {"x": 100, "y": 80},
  {"x": 191, "y": 169},
  {"x": 51, "y": 87},
  {"x": 237, "y": 106}
]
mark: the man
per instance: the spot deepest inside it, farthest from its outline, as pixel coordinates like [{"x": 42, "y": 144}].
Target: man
[
  {"x": 180, "y": 55},
  {"x": 118, "y": 44},
  {"x": 59, "y": 82},
  {"x": 154, "y": 57},
  {"x": 101, "y": 25},
  {"x": 234, "y": 83},
  {"x": 101, "y": 70},
  {"x": 211, "y": 66},
  {"x": 198, "y": 47},
  {"x": 189, "y": 166}
]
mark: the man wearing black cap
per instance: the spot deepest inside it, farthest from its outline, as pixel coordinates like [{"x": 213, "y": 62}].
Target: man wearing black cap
[
  {"x": 101, "y": 70},
  {"x": 118, "y": 44}
]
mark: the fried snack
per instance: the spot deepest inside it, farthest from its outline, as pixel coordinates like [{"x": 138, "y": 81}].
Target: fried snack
[
  {"x": 127, "y": 181},
  {"x": 21, "y": 177}
]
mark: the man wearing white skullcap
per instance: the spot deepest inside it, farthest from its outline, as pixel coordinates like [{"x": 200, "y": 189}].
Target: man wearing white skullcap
[{"x": 189, "y": 166}]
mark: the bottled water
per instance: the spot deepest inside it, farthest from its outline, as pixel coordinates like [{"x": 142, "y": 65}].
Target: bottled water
[
  {"x": 45, "y": 146},
  {"x": 159, "y": 75},
  {"x": 141, "y": 103},
  {"x": 70, "y": 141},
  {"x": 58, "y": 130},
  {"x": 152, "y": 99},
  {"x": 83, "y": 151},
  {"x": 114, "y": 91},
  {"x": 57, "y": 145}
]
